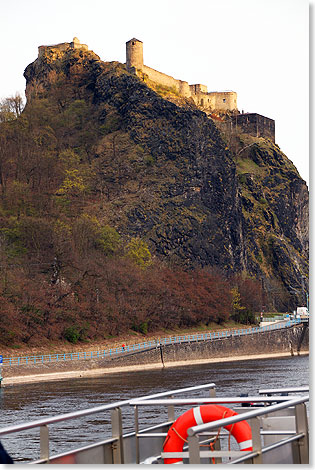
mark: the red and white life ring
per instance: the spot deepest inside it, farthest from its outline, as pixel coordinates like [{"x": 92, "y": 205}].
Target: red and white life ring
[{"x": 177, "y": 434}]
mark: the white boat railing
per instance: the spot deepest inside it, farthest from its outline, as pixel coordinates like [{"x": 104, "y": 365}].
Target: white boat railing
[
  {"x": 279, "y": 425},
  {"x": 113, "y": 448},
  {"x": 256, "y": 456},
  {"x": 194, "y": 455},
  {"x": 266, "y": 391}
]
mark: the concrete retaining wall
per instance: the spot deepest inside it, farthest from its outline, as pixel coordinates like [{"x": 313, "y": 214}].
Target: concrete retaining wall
[{"x": 269, "y": 342}]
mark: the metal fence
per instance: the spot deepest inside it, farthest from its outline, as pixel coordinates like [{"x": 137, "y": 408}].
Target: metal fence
[
  {"x": 138, "y": 347},
  {"x": 115, "y": 449},
  {"x": 276, "y": 318},
  {"x": 279, "y": 426}
]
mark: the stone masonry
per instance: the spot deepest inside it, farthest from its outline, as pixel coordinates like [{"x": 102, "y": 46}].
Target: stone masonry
[
  {"x": 255, "y": 124},
  {"x": 214, "y": 101}
]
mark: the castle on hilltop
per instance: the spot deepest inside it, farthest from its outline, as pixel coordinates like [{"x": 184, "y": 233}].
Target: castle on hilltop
[
  {"x": 210, "y": 102},
  {"x": 63, "y": 46},
  {"x": 214, "y": 101}
]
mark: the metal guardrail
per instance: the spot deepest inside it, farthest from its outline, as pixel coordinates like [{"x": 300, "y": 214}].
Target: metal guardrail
[
  {"x": 148, "y": 443},
  {"x": 300, "y": 434},
  {"x": 114, "y": 446},
  {"x": 140, "y": 347},
  {"x": 284, "y": 318},
  {"x": 284, "y": 390},
  {"x": 297, "y": 437},
  {"x": 194, "y": 454},
  {"x": 286, "y": 402},
  {"x": 205, "y": 401}
]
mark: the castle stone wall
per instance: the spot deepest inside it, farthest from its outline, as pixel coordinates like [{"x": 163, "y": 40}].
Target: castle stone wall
[
  {"x": 184, "y": 89},
  {"x": 216, "y": 101},
  {"x": 168, "y": 81},
  {"x": 222, "y": 101},
  {"x": 204, "y": 100},
  {"x": 225, "y": 100},
  {"x": 255, "y": 124},
  {"x": 198, "y": 88}
]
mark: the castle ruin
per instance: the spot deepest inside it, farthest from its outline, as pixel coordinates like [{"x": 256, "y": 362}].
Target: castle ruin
[
  {"x": 254, "y": 124},
  {"x": 212, "y": 101},
  {"x": 75, "y": 44}
]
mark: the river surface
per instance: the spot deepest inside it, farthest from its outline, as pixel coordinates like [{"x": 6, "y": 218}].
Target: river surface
[{"x": 21, "y": 403}]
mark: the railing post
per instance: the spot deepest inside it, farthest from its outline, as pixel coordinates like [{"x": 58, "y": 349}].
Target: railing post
[
  {"x": 44, "y": 442},
  {"x": 255, "y": 426},
  {"x": 302, "y": 426},
  {"x": 118, "y": 448},
  {"x": 193, "y": 447},
  {"x": 136, "y": 434},
  {"x": 171, "y": 411}
]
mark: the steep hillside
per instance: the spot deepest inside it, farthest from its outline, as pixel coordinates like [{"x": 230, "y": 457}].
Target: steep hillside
[
  {"x": 169, "y": 177},
  {"x": 165, "y": 169},
  {"x": 102, "y": 163}
]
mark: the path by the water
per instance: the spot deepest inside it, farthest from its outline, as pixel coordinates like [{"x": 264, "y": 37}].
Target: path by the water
[{"x": 101, "y": 371}]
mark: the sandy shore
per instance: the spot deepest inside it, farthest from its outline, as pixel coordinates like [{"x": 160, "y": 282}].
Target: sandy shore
[{"x": 99, "y": 372}]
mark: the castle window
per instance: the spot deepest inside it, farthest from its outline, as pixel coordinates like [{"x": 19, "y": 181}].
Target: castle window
[
  {"x": 201, "y": 101},
  {"x": 133, "y": 43},
  {"x": 224, "y": 100}
]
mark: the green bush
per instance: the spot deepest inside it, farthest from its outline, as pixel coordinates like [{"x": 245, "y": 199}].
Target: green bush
[
  {"x": 72, "y": 334},
  {"x": 141, "y": 328}
]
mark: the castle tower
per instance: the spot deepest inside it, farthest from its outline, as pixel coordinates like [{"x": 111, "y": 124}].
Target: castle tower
[
  {"x": 134, "y": 54},
  {"x": 75, "y": 44}
]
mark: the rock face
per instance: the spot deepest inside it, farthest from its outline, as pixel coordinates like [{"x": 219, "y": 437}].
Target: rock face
[
  {"x": 197, "y": 196},
  {"x": 196, "y": 216}
]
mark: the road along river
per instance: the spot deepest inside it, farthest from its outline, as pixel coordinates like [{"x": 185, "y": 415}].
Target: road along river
[{"x": 26, "y": 402}]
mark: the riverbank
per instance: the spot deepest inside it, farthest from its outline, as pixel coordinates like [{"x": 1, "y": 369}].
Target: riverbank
[
  {"x": 75, "y": 374},
  {"x": 291, "y": 340},
  {"x": 131, "y": 337}
]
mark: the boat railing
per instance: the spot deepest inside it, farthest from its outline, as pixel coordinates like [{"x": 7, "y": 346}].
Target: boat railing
[
  {"x": 272, "y": 391},
  {"x": 119, "y": 351},
  {"x": 295, "y": 446},
  {"x": 112, "y": 448}
]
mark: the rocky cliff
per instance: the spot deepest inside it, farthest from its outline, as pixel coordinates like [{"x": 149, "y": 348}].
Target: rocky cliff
[{"x": 164, "y": 171}]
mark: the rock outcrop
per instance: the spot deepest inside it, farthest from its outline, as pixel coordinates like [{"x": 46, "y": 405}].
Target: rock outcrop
[{"x": 198, "y": 196}]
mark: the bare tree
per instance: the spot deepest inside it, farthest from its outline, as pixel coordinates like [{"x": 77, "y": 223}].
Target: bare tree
[{"x": 11, "y": 108}]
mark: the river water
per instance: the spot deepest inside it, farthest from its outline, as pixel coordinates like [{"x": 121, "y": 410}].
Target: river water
[{"x": 21, "y": 403}]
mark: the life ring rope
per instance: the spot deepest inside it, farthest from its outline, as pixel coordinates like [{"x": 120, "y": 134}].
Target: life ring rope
[{"x": 175, "y": 430}]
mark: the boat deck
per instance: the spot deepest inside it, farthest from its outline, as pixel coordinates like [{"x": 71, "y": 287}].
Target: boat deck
[{"x": 277, "y": 417}]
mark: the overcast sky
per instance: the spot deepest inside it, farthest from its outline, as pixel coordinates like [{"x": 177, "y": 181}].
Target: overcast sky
[{"x": 258, "y": 48}]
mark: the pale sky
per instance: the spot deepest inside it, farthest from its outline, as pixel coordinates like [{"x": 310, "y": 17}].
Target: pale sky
[{"x": 258, "y": 48}]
